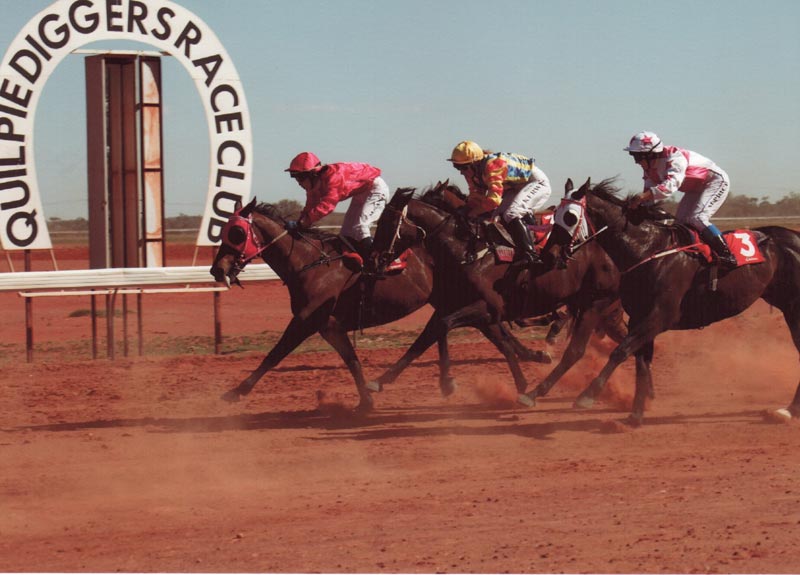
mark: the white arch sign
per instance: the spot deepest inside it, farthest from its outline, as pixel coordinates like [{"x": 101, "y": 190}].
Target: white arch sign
[{"x": 69, "y": 24}]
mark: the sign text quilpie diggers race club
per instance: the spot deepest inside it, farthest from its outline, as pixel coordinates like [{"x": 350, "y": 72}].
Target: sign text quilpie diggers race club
[{"x": 69, "y": 24}]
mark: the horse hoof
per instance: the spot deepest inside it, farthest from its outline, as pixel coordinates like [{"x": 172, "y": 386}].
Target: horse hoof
[
  {"x": 544, "y": 357},
  {"x": 526, "y": 400},
  {"x": 231, "y": 396},
  {"x": 584, "y": 402},
  {"x": 634, "y": 420},
  {"x": 375, "y": 386},
  {"x": 538, "y": 391},
  {"x": 363, "y": 408},
  {"x": 448, "y": 386},
  {"x": 778, "y": 416}
]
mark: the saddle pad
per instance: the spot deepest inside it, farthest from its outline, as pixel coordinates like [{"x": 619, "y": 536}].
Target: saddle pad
[
  {"x": 504, "y": 254},
  {"x": 399, "y": 263},
  {"x": 541, "y": 232},
  {"x": 742, "y": 243},
  {"x": 744, "y": 246}
]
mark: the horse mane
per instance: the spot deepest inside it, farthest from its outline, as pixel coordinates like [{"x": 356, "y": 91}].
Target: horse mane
[
  {"x": 434, "y": 196},
  {"x": 608, "y": 190},
  {"x": 272, "y": 212}
]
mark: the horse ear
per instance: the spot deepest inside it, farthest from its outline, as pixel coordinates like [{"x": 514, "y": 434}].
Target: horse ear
[
  {"x": 568, "y": 187},
  {"x": 248, "y": 208},
  {"x": 583, "y": 190},
  {"x": 401, "y": 197}
]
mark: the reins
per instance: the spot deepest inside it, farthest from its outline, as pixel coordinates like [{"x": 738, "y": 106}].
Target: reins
[
  {"x": 261, "y": 248},
  {"x": 661, "y": 255},
  {"x": 573, "y": 246}
]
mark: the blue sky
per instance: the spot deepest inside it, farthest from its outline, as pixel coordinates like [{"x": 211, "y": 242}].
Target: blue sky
[{"x": 398, "y": 84}]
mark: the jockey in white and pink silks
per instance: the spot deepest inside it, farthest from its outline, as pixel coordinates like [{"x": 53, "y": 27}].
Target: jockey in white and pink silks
[{"x": 668, "y": 169}]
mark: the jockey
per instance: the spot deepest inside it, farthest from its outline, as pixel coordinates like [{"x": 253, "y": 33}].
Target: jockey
[
  {"x": 509, "y": 185},
  {"x": 328, "y": 184},
  {"x": 668, "y": 169}
]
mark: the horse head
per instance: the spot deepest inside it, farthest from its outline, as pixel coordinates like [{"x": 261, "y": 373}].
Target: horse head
[
  {"x": 569, "y": 222},
  {"x": 245, "y": 236},
  {"x": 235, "y": 236}
]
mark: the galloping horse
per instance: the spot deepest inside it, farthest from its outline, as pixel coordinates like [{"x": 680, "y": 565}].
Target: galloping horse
[
  {"x": 588, "y": 285},
  {"x": 664, "y": 287},
  {"x": 328, "y": 295}
]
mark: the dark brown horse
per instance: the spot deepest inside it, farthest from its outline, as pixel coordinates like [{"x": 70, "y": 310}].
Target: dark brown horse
[
  {"x": 679, "y": 290},
  {"x": 328, "y": 294},
  {"x": 588, "y": 285}
]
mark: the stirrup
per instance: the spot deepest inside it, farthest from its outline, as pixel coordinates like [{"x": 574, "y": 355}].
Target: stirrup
[{"x": 727, "y": 261}]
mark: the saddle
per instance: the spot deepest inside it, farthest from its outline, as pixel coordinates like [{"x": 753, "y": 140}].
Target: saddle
[{"x": 501, "y": 243}]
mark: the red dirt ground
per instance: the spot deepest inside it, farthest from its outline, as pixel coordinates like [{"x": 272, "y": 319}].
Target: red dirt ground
[{"x": 137, "y": 465}]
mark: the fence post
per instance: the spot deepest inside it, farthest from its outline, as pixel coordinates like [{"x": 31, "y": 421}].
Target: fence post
[{"x": 28, "y": 315}]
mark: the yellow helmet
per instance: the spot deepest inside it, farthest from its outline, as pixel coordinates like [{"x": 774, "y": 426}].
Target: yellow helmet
[{"x": 466, "y": 152}]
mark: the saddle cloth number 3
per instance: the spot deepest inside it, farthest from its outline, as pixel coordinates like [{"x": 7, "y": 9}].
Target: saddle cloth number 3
[{"x": 743, "y": 245}]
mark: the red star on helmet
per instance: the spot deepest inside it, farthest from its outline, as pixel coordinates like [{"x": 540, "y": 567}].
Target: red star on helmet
[{"x": 647, "y": 140}]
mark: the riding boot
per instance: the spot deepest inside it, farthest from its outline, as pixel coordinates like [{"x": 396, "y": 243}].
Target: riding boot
[
  {"x": 713, "y": 237},
  {"x": 364, "y": 249},
  {"x": 522, "y": 239}
]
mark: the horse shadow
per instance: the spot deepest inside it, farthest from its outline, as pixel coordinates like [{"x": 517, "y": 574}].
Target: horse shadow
[{"x": 410, "y": 422}]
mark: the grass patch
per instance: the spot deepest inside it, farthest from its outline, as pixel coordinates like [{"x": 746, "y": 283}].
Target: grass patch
[{"x": 165, "y": 345}]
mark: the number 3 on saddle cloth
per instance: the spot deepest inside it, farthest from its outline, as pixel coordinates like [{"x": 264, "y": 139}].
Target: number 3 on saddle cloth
[{"x": 742, "y": 243}]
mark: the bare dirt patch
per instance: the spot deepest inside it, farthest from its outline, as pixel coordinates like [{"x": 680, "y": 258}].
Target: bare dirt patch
[{"x": 136, "y": 465}]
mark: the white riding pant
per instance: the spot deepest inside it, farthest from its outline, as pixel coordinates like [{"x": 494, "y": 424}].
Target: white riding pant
[
  {"x": 696, "y": 210},
  {"x": 364, "y": 211},
  {"x": 530, "y": 199}
]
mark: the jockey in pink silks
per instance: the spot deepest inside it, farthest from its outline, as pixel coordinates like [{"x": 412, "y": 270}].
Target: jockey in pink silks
[{"x": 328, "y": 184}]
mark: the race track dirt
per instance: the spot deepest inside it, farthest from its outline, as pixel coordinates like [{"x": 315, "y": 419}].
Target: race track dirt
[{"x": 137, "y": 465}]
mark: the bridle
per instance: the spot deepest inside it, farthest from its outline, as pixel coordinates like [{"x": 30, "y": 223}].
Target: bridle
[
  {"x": 239, "y": 236},
  {"x": 389, "y": 254},
  {"x": 583, "y": 231}
]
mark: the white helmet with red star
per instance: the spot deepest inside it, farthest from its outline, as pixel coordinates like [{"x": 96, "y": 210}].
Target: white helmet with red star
[{"x": 644, "y": 142}]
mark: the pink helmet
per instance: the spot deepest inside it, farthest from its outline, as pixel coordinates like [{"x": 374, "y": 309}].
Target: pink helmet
[{"x": 304, "y": 162}]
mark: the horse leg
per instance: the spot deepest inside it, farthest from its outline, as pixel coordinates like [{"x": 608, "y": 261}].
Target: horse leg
[
  {"x": 494, "y": 333},
  {"x": 557, "y": 326},
  {"x": 335, "y": 335},
  {"x": 430, "y": 334},
  {"x": 641, "y": 332},
  {"x": 585, "y": 324},
  {"x": 792, "y": 316},
  {"x": 295, "y": 333},
  {"x": 447, "y": 384},
  {"x": 644, "y": 383},
  {"x": 613, "y": 321},
  {"x": 522, "y": 352}
]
